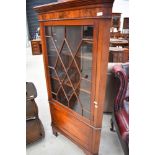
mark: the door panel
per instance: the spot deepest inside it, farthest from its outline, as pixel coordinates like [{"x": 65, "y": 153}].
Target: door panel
[
  {"x": 70, "y": 60},
  {"x": 72, "y": 126}
]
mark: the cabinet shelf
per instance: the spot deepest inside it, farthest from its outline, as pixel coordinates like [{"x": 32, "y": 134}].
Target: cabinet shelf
[
  {"x": 82, "y": 78},
  {"x": 85, "y": 79},
  {"x": 54, "y": 93},
  {"x": 48, "y": 36},
  {"x": 88, "y": 40},
  {"x": 87, "y": 56},
  {"x": 86, "y": 91},
  {"x": 51, "y": 67}
]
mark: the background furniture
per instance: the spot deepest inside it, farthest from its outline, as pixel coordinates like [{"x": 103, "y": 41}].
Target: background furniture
[
  {"x": 118, "y": 54},
  {"x": 115, "y": 34},
  {"x": 34, "y": 127},
  {"x": 36, "y": 47},
  {"x": 116, "y": 21},
  {"x": 125, "y": 30},
  {"x": 120, "y": 116},
  {"x": 75, "y": 38},
  {"x": 119, "y": 42}
]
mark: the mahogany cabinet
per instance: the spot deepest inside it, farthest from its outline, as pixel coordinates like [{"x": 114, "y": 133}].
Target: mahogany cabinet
[{"x": 75, "y": 38}]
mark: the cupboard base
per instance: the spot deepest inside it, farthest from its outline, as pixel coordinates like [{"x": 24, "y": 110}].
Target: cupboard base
[{"x": 56, "y": 131}]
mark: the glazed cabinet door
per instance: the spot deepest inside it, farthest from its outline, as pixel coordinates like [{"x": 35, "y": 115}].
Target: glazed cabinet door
[{"x": 71, "y": 66}]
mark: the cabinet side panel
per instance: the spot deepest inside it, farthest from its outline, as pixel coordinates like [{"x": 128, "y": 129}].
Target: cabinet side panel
[
  {"x": 102, "y": 63},
  {"x": 102, "y": 57}
]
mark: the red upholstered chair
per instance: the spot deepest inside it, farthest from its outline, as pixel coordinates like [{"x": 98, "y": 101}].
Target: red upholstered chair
[{"x": 120, "y": 115}]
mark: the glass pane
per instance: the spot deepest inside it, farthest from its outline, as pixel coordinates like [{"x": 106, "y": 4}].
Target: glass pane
[
  {"x": 62, "y": 98},
  {"x": 86, "y": 114},
  {"x": 68, "y": 90},
  {"x": 115, "y": 21},
  {"x": 48, "y": 30},
  {"x": 54, "y": 96},
  {"x": 75, "y": 105},
  {"x": 74, "y": 74},
  {"x": 52, "y": 59},
  {"x": 84, "y": 60},
  {"x": 84, "y": 99},
  {"x": 88, "y": 32},
  {"x": 71, "y": 66},
  {"x": 74, "y": 40},
  {"x": 50, "y": 46},
  {"x": 55, "y": 85},
  {"x": 85, "y": 85},
  {"x": 58, "y": 35},
  {"x": 66, "y": 56},
  {"x": 51, "y": 51},
  {"x": 52, "y": 73},
  {"x": 60, "y": 70},
  {"x": 54, "y": 81}
]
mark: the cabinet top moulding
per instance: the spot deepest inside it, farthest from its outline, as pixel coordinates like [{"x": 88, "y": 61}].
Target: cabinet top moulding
[{"x": 83, "y": 8}]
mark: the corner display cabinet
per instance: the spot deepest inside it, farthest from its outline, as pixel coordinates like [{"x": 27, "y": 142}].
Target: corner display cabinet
[{"x": 75, "y": 38}]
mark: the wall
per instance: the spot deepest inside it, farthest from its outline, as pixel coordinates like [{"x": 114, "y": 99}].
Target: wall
[
  {"x": 32, "y": 16},
  {"x": 121, "y": 6}
]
